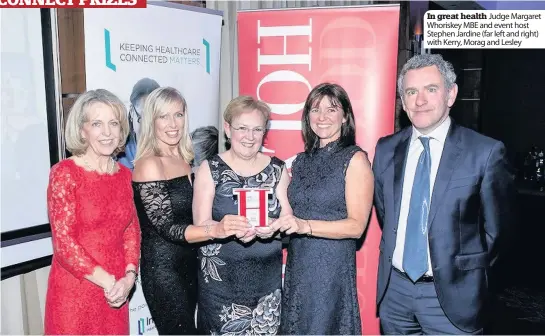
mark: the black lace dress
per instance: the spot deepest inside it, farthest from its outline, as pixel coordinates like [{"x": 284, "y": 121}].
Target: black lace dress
[
  {"x": 168, "y": 263},
  {"x": 320, "y": 294},
  {"x": 240, "y": 284}
]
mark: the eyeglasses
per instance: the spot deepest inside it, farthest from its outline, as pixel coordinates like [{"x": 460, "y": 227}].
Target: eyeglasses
[{"x": 246, "y": 130}]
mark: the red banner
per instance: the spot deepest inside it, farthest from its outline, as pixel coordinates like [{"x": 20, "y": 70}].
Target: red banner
[{"x": 283, "y": 54}]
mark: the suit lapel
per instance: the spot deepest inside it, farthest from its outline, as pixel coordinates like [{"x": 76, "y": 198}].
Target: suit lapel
[
  {"x": 452, "y": 152},
  {"x": 400, "y": 157}
]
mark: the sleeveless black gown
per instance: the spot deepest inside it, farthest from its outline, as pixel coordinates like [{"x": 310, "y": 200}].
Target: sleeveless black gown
[
  {"x": 168, "y": 263},
  {"x": 320, "y": 293},
  {"x": 240, "y": 284}
]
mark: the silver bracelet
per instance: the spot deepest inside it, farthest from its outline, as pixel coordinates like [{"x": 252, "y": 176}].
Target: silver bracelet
[{"x": 207, "y": 230}]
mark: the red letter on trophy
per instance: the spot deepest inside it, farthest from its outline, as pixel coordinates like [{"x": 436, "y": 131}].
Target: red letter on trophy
[{"x": 252, "y": 204}]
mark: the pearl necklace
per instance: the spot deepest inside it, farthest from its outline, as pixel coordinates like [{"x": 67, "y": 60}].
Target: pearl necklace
[{"x": 109, "y": 168}]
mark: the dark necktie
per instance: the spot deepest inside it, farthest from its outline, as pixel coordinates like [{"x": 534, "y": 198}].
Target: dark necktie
[{"x": 415, "y": 254}]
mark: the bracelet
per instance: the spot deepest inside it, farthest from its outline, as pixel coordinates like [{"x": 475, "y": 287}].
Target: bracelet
[
  {"x": 310, "y": 228},
  {"x": 207, "y": 230},
  {"x": 133, "y": 272}
]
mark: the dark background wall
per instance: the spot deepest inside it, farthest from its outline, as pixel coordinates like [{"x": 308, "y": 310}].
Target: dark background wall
[{"x": 513, "y": 99}]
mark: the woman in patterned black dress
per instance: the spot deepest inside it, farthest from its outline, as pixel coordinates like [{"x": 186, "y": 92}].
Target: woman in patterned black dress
[
  {"x": 240, "y": 277},
  {"x": 331, "y": 195},
  {"x": 163, "y": 193}
]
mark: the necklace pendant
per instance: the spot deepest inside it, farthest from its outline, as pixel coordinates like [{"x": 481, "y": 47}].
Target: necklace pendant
[{"x": 109, "y": 166}]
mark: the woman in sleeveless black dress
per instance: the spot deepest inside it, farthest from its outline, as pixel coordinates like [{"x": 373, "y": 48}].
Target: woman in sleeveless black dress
[
  {"x": 240, "y": 277},
  {"x": 331, "y": 196},
  {"x": 163, "y": 194}
]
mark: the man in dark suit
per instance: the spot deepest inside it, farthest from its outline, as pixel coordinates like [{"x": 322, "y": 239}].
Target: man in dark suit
[{"x": 443, "y": 198}]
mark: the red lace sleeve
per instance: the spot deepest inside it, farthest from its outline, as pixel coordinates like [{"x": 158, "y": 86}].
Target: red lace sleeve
[
  {"x": 61, "y": 204},
  {"x": 131, "y": 241}
]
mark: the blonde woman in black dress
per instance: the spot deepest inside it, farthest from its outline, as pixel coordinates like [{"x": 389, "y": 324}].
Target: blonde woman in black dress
[{"x": 163, "y": 192}]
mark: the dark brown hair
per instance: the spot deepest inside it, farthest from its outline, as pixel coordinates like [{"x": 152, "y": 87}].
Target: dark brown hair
[{"x": 338, "y": 97}]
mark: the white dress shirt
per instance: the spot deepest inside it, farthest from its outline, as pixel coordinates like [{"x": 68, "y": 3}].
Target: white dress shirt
[{"x": 437, "y": 142}]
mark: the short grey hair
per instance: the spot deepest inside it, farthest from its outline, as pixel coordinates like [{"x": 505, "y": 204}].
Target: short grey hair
[
  {"x": 77, "y": 117},
  {"x": 422, "y": 61},
  {"x": 242, "y": 104}
]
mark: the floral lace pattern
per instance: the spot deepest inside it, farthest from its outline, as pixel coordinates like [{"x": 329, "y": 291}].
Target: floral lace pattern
[
  {"x": 93, "y": 223},
  {"x": 169, "y": 264},
  {"x": 262, "y": 320},
  {"x": 62, "y": 214},
  {"x": 131, "y": 246},
  {"x": 156, "y": 200}
]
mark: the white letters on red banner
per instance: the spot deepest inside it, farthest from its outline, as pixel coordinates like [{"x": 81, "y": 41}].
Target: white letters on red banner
[{"x": 283, "y": 54}]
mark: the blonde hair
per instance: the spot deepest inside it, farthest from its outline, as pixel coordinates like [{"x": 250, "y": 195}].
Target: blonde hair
[
  {"x": 155, "y": 104},
  {"x": 242, "y": 104},
  {"x": 78, "y": 116}
]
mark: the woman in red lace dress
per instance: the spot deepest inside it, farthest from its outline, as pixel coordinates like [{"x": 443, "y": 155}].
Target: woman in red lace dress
[{"x": 96, "y": 236}]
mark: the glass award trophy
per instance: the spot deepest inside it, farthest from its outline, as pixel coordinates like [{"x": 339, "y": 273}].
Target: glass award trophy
[{"x": 252, "y": 204}]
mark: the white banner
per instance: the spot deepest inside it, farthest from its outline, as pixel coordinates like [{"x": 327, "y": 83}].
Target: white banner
[{"x": 132, "y": 51}]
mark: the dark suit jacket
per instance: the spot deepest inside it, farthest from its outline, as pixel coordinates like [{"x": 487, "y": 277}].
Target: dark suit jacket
[{"x": 470, "y": 209}]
